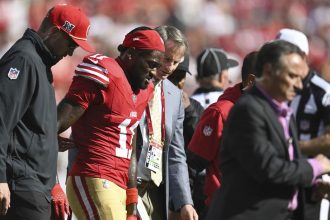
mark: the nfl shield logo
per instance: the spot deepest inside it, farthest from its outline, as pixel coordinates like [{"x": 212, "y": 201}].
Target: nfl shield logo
[
  {"x": 13, "y": 73},
  {"x": 207, "y": 131}
]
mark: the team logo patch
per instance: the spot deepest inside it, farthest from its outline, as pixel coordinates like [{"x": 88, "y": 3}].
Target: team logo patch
[
  {"x": 207, "y": 131},
  {"x": 106, "y": 184},
  {"x": 13, "y": 73},
  {"x": 68, "y": 26}
]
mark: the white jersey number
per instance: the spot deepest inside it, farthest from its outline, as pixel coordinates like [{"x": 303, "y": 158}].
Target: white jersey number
[{"x": 122, "y": 150}]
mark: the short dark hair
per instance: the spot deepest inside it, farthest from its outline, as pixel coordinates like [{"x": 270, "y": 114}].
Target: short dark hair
[
  {"x": 272, "y": 53},
  {"x": 249, "y": 65}
]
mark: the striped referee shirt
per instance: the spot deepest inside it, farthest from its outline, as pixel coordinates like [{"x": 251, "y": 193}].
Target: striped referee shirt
[{"x": 312, "y": 107}]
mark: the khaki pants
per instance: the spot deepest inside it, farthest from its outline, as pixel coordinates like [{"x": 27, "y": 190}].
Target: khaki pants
[{"x": 95, "y": 198}]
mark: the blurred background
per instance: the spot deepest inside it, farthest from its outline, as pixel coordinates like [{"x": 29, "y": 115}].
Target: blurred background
[{"x": 237, "y": 26}]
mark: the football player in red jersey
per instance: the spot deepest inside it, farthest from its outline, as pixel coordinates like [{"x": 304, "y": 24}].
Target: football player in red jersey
[{"x": 103, "y": 105}]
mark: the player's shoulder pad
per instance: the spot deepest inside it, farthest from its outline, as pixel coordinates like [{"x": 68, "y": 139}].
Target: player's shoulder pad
[{"x": 93, "y": 67}]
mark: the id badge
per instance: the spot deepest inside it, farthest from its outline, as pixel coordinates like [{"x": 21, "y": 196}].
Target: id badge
[{"x": 154, "y": 157}]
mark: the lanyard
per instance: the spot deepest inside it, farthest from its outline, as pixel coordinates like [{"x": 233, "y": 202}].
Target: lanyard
[{"x": 149, "y": 122}]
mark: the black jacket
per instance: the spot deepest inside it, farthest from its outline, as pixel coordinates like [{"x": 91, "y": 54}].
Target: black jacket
[
  {"x": 258, "y": 177},
  {"x": 192, "y": 115},
  {"x": 28, "y": 134}
]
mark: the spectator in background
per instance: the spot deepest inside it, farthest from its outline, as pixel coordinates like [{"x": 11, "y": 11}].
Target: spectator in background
[
  {"x": 104, "y": 105},
  {"x": 263, "y": 172},
  {"x": 311, "y": 108},
  {"x": 28, "y": 153},
  {"x": 212, "y": 75},
  {"x": 203, "y": 149}
]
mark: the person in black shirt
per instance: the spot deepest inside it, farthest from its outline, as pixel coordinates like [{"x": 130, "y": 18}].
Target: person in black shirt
[{"x": 28, "y": 129}]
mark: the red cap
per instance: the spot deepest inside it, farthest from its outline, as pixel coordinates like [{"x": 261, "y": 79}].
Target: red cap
[
  {"x": 74, "y": 22},
  {"x": 144, "y": 39}
]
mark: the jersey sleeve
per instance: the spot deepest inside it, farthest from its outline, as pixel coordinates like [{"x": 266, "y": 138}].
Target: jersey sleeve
[
  {"x": 205, "y": 141},
  {"x": 93, "y": 68},
  {"x": 84, "y": 92}
]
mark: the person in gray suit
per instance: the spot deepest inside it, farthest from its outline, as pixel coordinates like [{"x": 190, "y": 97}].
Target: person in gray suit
[{"x": 163, "y": 180}]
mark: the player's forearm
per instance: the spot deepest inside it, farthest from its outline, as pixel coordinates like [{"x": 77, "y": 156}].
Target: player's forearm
[
  {"x": 131, "y": 193},
  {"x": 318, "y": 145},
  {"x": 132, "y": 172},
  {"x": 67, "y": 115}
]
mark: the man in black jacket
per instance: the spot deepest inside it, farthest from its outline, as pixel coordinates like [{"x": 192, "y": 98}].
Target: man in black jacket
[
  {"x": 263, "y": 171},
  {"x": 28, "y": 131},
  {"x": 311, "y": 108}
]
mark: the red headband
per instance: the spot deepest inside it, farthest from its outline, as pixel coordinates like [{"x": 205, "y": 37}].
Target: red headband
[{"x": 146, "y": 40}]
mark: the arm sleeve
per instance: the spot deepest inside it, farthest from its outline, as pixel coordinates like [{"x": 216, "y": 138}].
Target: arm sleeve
[
  {"x": 179, "y": 188},
  {"x": 92, "y": 68},
  {"x": 15, "y": 96},
  {"x": 205, "y": 141},
  {"x": 90, "y": 81},
  {"x": 317, "y": 168},
  {"x": 84, "y": 92}
]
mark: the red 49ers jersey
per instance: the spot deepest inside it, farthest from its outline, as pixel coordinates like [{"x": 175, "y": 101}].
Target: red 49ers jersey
[{"x": 103, "y": 135}]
